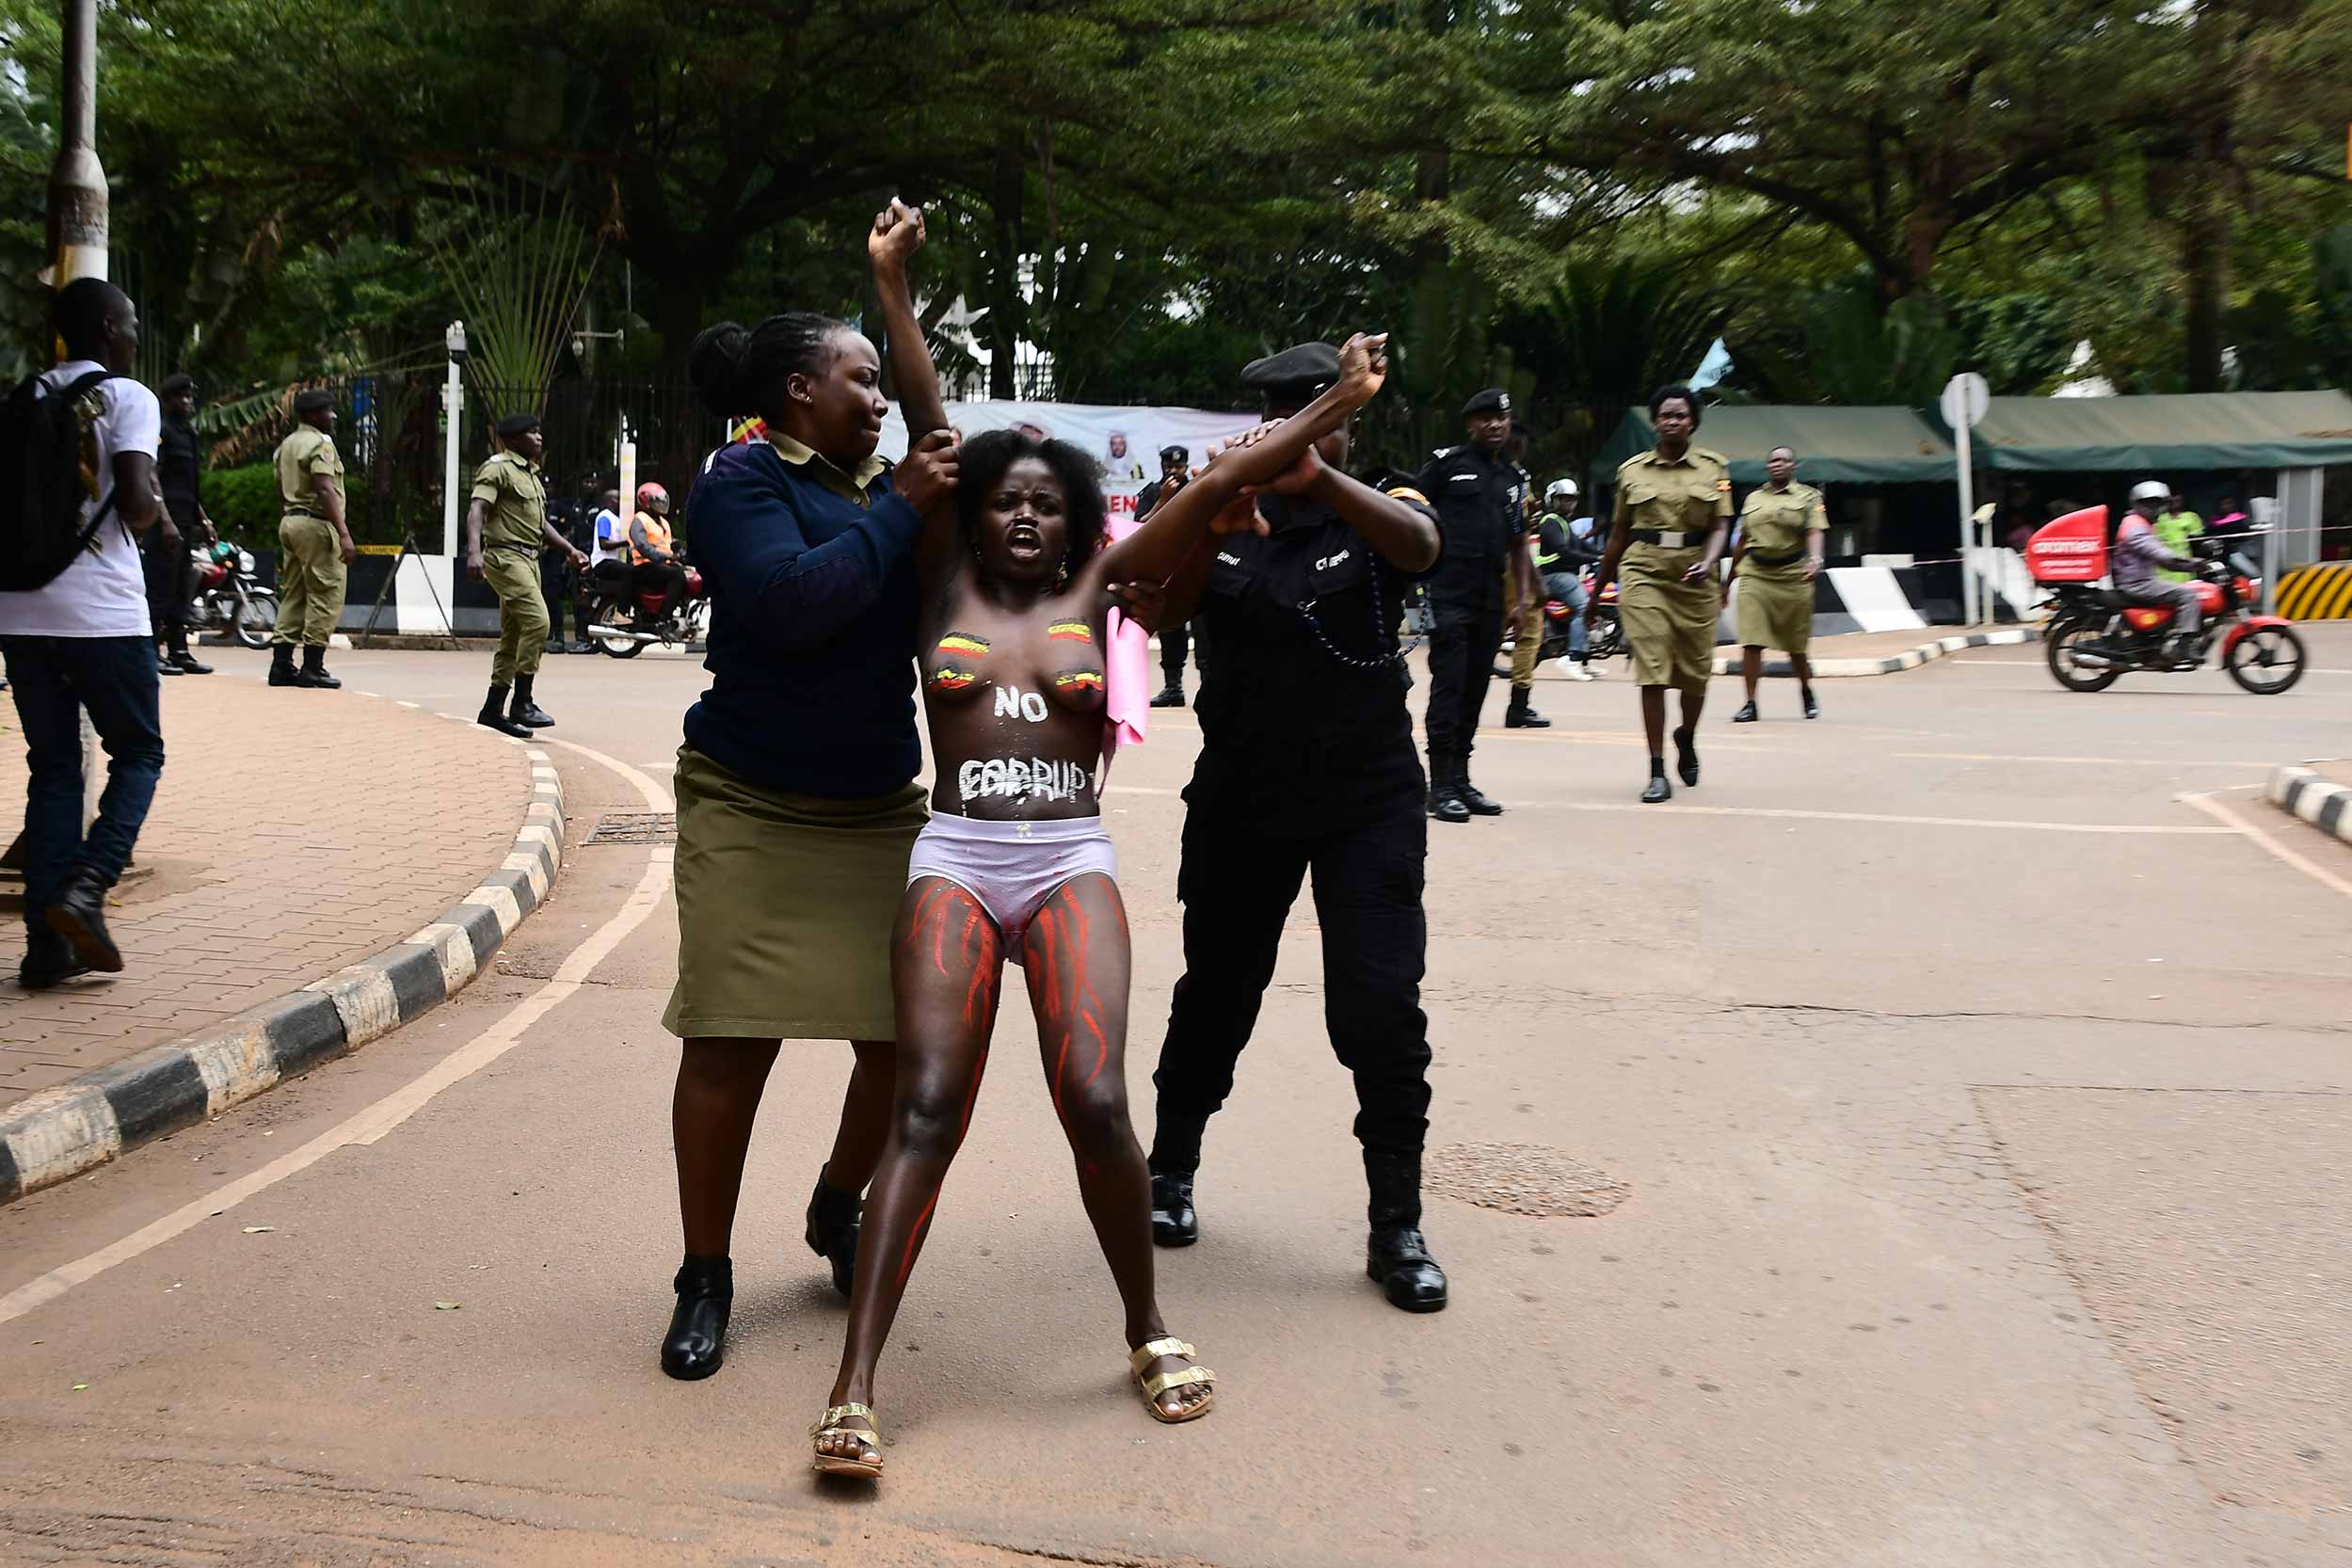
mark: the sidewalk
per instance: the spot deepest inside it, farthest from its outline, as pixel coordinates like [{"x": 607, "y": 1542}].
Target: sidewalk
[{"x": 295, "y": 832}]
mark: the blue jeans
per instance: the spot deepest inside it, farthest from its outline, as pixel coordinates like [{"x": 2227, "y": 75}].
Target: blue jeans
[
  {"x": 52, "y": 678},
  {"x": 1568, "y": 587}
]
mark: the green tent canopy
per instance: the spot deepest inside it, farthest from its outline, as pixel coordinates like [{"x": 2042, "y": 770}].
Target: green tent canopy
[
  {"x": 2188, "y": 431},
  {"x": 1835, "y": 446}
]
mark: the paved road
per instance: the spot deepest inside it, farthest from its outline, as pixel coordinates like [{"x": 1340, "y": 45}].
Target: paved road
[{"x": 1980, "y": 1104}]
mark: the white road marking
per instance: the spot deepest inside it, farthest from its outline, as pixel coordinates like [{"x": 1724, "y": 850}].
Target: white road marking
[
  {"x": 2317, "y": 873},
  {"x": 397, "y": 1107},
  {"x": 2101, "y": 762}
]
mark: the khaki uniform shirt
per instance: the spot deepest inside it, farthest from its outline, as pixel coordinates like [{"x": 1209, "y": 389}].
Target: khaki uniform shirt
[
  {"x": 1775, "y": 524},
  {"x": 304, "y": 458},
  {"x": 1686, "y": 494},
  {"x": 518, "y": 502},
  {"x": 856, "y": 487}
]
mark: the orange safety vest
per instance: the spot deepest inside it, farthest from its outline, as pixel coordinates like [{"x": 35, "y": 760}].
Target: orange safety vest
[{"x": 655, "y": 530}]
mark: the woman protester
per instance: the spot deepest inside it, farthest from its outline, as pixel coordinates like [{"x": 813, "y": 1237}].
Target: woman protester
[
  {"x": 1015, "y": 863},
  {"x": 1782, "y": 526},
  {"x": 1672, "y": 503},
  {"x": 796, "y": 796}
]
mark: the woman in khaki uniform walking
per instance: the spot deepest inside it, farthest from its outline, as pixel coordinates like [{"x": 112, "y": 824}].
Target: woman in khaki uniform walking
[
  {"x": 1673, "y": 503},
  {"x": 1781, "y": 529}
]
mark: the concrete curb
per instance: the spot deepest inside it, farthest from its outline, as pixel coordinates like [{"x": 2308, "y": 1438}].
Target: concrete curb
[
  {"x": 2301, "y": 792},
  {"x": 59, "y": 1133},
  {"x": 1909, "y": 658}
]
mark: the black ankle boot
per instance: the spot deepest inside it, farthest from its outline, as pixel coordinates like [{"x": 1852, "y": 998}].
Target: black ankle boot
[
  {"x": 1174, "y": 1222},
  {"x": 1396, "y": 1256},
  {"x": 833, "y": 1222},
  {"x": 526, "y": 711},
  {"x": 314, "y": 670},
  {"x": 282, "y": 665},
  {"x": 696, "y": 1341},
  {"x": 493, "y": 715}
]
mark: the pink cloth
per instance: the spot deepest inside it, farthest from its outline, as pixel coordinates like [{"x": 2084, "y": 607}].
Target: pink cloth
[{"x": 1127, "y": 669}]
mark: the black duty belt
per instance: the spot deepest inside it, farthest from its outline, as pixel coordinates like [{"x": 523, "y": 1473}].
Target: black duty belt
[
  {"x": 509, "y": 544},
  {"x": 1785, "y": 558},
  {"x": 1670, "y": 539},
  {"x": 305, "y": 512}
]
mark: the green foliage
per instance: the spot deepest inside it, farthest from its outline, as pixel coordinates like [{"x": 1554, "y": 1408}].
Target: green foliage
[
  {"x": 1836, "y": 347},
  {"x": 28, "y": 144},
  {"x": 243, "y": 503}
]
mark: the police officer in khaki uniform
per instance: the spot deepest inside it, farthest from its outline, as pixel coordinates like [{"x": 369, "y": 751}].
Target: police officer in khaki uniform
[
  {"x": 314, "y": 545},
  {"x": 1781, "y": 530},
  {"x": 1673, "y": 503},
  {"x": 506, "y": 526}
]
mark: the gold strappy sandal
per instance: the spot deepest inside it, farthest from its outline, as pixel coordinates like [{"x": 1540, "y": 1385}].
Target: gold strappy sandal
[
  {"x": 1160, "y": 1383},
  {"x": 868, "y": 1442}
]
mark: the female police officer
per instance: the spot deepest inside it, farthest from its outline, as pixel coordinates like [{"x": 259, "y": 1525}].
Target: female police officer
[
  {"x": 1781, "y": 529},
  {"x": 1672, "y": 505},
  {"x": 1306, "y": 765}
]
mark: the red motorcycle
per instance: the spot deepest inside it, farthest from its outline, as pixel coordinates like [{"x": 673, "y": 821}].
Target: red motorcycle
[
  {"x": 2096, "y": 636},
  {"x": 626, "y": 618},
  {"x": 1606, "y": 639}
]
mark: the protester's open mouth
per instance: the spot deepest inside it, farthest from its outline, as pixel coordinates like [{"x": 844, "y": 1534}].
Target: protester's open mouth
[{"x": 1023, "y": 540}]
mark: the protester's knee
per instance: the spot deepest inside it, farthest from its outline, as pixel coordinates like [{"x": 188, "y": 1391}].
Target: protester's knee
[{"x": 929, "y": 1117}]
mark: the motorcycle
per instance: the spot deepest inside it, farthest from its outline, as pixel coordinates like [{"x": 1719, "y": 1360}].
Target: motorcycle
[
  {"x": 623, "y": 620},
  {"x": 1606, "y": 639},
  {"x": 227, "y": 600},
  {"x": 2095, "y": 635}
]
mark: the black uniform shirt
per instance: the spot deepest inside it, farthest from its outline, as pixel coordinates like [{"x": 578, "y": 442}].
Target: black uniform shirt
[
  {"x": 1478, "y": 503},
  {"x": 1302, "y": 710},
  {"x": 178, "y": 467}
]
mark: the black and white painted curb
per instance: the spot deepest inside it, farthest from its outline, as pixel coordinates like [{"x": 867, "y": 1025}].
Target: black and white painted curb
[
  {"x": 1909, "y": 658},
  {"x": 2303, "y": 793},
  {"x": 58, "y": 1134}
]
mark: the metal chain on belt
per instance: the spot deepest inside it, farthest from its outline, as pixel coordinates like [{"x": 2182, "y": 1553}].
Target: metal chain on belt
[{"x": 1394, "y": 657}]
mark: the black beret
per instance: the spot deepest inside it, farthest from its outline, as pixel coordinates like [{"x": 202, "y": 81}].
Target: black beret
[
  {"x": 1493, "y": 400},
  {"x": 181, "y": 381},
  {"x": 517, "y": 425},
  {"x": 313, "y": 401},
  {"x": 1176, "y": 453},
  {"x": 1300, "y": 373}
]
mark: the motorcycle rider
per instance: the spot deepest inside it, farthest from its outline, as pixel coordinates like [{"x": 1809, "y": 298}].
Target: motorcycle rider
[
  {"x": 2141, "y": 561},
  {"x": 1562, "y": 553},
  {"x": 654, "y": 563}
]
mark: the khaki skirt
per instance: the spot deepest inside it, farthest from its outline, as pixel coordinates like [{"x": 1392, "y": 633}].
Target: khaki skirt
[
  {"x": 785, "y": 908},
  {"x": 1670, "y": 624},
  {"x": 1772, "y": 610}
]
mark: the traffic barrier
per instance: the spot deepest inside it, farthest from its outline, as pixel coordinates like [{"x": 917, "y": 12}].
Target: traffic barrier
[{"x": 2322, "y": 592}]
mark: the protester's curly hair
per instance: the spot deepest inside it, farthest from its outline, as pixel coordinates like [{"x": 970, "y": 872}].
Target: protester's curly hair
[{"x": 988, "y": 455}]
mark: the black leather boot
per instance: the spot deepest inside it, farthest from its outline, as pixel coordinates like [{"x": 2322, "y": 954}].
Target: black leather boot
[
  {"x": 314, "y": 670},
  {"x": 281, "y": 671},
  {"x": 49, "y": 959},
  {"x": 696, "y": 1341},
  {"x": 1445, "y": 799},
  {"x": 1687, "y": 757},
  {"x": 79, "y": 916},
  {"x": 1522, "y": 714},
  {"x": 525, "y": 711},
  {"x": 1171, "y": 695},
  {"x": 1474, "y": 800},
  {"x": 832, "y": 1235},
  {"x": 493, "y": 715},
  {"x": 1397, "y": 1257},
  {"x": 1174, "y": 1222}
]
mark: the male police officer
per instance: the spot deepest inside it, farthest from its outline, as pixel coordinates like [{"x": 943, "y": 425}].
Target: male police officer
[
  {"x": 1175, "y": 470},
  {"x": 315, "y": 544},
  {"x": 1478, "y": 494},
  {"x": 505, "y": 527},
  {"x": 1306, "y": 766}
]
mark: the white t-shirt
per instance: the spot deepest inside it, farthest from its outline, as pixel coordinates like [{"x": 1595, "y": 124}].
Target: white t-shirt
[
  {"x": 611, "y": 536},
  {"x": 104, "y": 592}
]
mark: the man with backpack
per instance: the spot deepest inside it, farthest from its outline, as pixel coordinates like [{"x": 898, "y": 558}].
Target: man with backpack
[{"x": 77, "y": 464}]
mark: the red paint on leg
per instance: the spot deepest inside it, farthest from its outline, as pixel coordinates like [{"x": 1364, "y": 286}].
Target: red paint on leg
[{"x": 915, "y": 1239}]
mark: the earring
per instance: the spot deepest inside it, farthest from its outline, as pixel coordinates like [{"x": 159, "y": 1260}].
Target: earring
[{"x": 1062, "y": 575}]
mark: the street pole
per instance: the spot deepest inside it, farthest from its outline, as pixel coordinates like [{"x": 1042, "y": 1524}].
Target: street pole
[
  {"x": 1968, "y": 524},
  {"x": 453, "y": 407},
  {"x": 78, "y": 182}
]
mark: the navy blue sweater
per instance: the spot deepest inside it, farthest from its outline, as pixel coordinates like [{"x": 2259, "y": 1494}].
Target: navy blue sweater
[{"x": 812, "y": 627}]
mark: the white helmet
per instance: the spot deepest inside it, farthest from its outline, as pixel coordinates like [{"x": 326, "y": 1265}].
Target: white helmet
[
  {"x": 1559, "y": 488},
  {"x": 2151, "y": 489}
]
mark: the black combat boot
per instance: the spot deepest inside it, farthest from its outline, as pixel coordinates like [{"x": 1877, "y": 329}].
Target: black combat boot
[
  {"x": 525, "y": 711},
  {"x": 1474, "y": 800},
  {"x": 696, "y": 1341},
  {"x": 79, "y": 916},
  {"x": 315, "y": 671},
  {"x": 493, "y": 715},
  {"x": 282, "y": 670},
  {"x": 1397, "y": 1257},
  {"x": 1522, "y": 714},
  {"x": 1445, "y": 793}
]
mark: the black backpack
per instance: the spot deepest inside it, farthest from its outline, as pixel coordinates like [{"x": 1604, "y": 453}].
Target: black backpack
[{"x": 42, "y": 490}]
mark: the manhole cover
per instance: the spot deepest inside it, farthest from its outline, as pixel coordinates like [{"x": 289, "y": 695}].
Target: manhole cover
[
  {"x": 636, "y": 827},
  {"x": 1521, "y": 1179}
]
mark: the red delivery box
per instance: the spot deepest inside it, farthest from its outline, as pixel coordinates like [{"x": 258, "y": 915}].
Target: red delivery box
[{"x": 2072, "y": 549}]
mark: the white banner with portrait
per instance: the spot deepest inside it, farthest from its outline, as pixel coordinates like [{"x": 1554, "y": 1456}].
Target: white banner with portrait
[{"x": 1126, "y": 441}]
